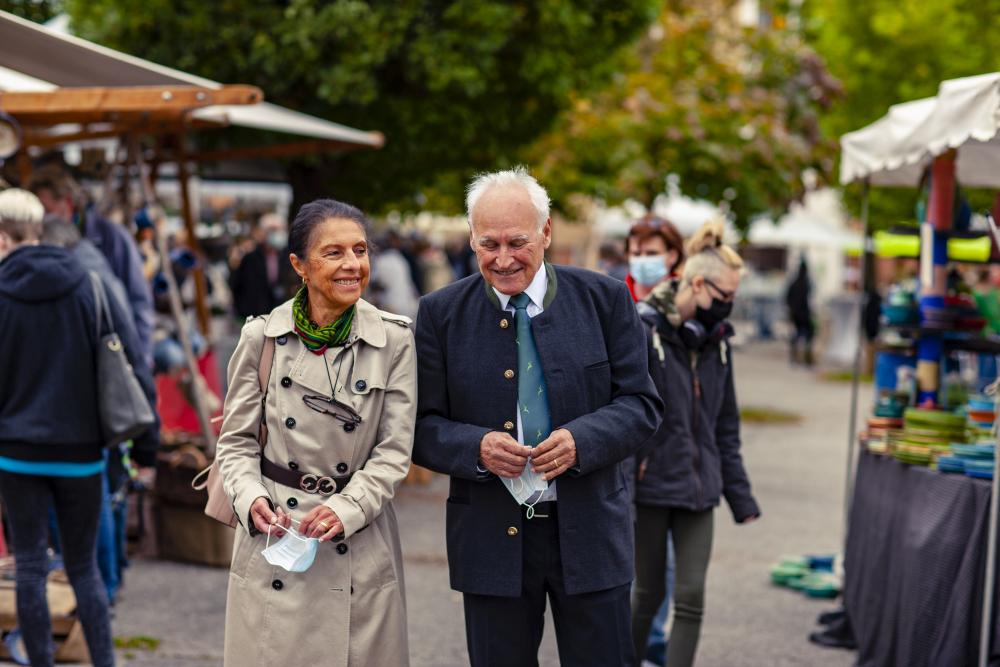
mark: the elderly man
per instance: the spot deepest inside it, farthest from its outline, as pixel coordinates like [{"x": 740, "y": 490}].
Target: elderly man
[{"x": 533, "y": 388}]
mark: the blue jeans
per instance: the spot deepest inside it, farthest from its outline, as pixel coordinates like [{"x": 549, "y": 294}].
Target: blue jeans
[{"x": 77, "y": 503}]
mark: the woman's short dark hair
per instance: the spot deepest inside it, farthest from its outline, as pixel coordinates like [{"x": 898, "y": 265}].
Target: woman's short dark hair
[
  {"x": 653, "y": 225},
  {"x": 313, "y": 214}
]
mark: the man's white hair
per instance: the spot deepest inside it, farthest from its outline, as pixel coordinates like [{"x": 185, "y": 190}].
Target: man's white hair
[{"x": 516, "y": 176}]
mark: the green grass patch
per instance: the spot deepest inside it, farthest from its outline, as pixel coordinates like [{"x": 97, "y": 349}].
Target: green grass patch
[
  {"x": 139, "y": 642},
  {"x": 758, "y": 415},
  {"x": 846, "y": 376}
]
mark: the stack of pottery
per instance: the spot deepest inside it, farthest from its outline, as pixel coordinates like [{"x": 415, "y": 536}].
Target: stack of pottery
[
  {"x": 972, "y": 460},
  {"x": 981, "y": 414},
  {"x": 926, "y": 435},
  {"x": 815, "y": 576},
  {"x": 886, "y": 422},
  {"x": 900, "y": 307},
  {"x": 955, "y": 312}
]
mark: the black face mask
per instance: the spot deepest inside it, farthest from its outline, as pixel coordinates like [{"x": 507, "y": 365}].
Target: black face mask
[{"x": 711, "y": 317}]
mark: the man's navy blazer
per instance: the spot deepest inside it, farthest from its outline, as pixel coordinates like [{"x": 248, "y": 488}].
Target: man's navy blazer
[{"x": 594, "y": 356}]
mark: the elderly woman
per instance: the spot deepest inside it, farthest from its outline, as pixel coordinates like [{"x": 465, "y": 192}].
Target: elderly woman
[
  {"x": 317, "y": 573},
  {"x": 694, "y": 458},
  {"x": 51, "y": 445}
]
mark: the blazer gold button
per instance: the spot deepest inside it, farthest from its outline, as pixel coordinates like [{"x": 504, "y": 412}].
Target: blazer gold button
[
  {"x": 509, "y": 374},
  {"x": 504, "y": 323},
  {"x": 509, "y": 425},
  {"x": 512, "y": 531}
]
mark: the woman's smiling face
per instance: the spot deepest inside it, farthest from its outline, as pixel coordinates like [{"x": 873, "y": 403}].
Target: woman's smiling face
[{"x": 336, "y": 269}]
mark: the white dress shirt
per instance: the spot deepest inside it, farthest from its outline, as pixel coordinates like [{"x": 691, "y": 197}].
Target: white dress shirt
[{"x": 536, "y": 292}]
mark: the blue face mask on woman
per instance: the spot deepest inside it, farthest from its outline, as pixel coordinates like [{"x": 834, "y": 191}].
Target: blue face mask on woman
[{"x": 648, "y": 270}]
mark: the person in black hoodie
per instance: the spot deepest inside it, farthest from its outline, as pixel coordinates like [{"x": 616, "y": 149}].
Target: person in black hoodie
[
  {"x": 694, "y": 457},
  {"x": 51, "y": 449}
]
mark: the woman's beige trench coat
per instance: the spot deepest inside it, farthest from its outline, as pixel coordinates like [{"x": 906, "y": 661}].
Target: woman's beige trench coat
[{"x": 348, "y": 608}]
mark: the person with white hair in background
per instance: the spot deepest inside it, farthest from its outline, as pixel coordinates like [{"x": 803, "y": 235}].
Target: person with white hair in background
[
  {"x": 51, "y": 446},
  {"x": 533, "y": 388}
]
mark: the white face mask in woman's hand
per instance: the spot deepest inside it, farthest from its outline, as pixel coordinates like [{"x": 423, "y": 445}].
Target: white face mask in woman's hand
[{"x": 292, "y": 552}]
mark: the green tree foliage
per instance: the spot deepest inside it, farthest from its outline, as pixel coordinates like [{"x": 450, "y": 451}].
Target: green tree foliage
[
  {"x": 731, "y": 110},
  {"x": 38, "y": 11},
  {"x": 456, "y": 86},
  {"x": 891, "y": 51}
]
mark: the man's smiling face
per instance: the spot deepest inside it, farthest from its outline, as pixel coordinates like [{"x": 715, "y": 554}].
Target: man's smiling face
[{"x": 509, "y": 245}]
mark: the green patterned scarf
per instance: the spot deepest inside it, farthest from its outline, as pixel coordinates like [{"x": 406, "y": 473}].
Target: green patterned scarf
[{"x": 314, "y": 337}]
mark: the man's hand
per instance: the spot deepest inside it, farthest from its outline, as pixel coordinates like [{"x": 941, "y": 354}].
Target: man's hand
[
  {"x": 502, "y": 455},
  {"x": 554, "y": 455},
  {"x": 642, "y": 468}
]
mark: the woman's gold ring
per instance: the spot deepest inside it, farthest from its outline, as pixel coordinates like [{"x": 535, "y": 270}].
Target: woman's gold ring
[{"x": 324, "y": 524}]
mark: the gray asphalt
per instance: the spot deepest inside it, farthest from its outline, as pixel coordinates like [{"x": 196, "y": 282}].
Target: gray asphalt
[{"x": 798, "y": 476}]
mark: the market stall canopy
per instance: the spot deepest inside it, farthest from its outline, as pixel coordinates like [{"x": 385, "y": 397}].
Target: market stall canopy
[
  {"x": 895, "y": 150},
  {"x": 819, "y": 220},
  {"x": 34, "y": 58}
]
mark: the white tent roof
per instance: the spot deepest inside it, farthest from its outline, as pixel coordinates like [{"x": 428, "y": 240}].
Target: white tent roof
[
  {"x": 819, "y": 220},
  {"x": 37, "y": 58},
  {"x": 894, "y": 150}
]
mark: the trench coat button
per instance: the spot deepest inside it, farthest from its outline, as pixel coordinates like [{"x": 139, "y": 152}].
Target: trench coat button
[
  {"x": 281, "y": 340},
  {"x": 360, "y": 385},
  {"x": 350, "y": 426},
  {"x": 293, "y": 502},
  {"x": 504, "y": 323},
  {"x": 286, "y": 381},
  {"x": 341, "y": 467},
  {"x": 509, "y": 374},
  {"x": 292, "y": 465},
  {"x": 277, "y": 585},
  {"x": 290, "y": 423},
  {"x": 508, "y": 425},
  {"x": 341, "y": 549},
  {"x": 512, "y": 531}
]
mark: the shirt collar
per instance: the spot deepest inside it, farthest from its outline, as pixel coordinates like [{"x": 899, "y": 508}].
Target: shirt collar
[{"x": 535, "y": 291}]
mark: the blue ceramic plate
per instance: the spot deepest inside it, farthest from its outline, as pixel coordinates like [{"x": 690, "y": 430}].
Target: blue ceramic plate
[{"x": 973, "y": 451}]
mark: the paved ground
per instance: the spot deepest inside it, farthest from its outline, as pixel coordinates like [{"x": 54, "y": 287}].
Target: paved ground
[{"x": 797, "y": 472}]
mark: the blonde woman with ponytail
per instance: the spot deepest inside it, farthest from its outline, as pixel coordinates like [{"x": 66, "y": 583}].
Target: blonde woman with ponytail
[{"x": 694, "y": 458}]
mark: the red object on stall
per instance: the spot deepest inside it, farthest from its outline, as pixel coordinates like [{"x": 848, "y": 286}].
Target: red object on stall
[
  {"x": 942, "y": 199},
  {"x": 176, "y": 414}
]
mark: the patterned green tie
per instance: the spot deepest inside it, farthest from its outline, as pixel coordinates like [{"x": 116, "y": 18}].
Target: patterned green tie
[{"x": 532, "y": 394}]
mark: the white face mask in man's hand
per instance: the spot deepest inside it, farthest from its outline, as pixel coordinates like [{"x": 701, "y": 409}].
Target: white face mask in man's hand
[
  {"x": 292, "y": 552},
  {"x": 527, "y": 488}
]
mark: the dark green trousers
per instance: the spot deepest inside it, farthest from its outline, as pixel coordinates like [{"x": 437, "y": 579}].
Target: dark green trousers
[{"x": 692, "y": 535}]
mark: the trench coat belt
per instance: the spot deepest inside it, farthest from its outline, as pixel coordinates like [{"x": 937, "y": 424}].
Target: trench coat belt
[{"x": 324, "y": 485}]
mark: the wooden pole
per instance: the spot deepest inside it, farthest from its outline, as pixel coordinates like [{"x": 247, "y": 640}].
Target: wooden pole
[
  {"x": 198, "y": 274},
  {"x": 176, "y": 305}
]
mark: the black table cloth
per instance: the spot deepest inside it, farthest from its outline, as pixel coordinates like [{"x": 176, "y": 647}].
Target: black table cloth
[{"x": 915, "y": 565}]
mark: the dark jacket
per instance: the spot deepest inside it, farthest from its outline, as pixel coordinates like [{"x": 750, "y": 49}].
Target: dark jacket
[
  {"x": 694, "y": 458},
  {"x": 122, "y": 254},
  {"x": 48, "y": 338},
  {"x": 253, "y": 293},
  {"x": 91, "y": 259},
  {"x": 594, "y": 358}
]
